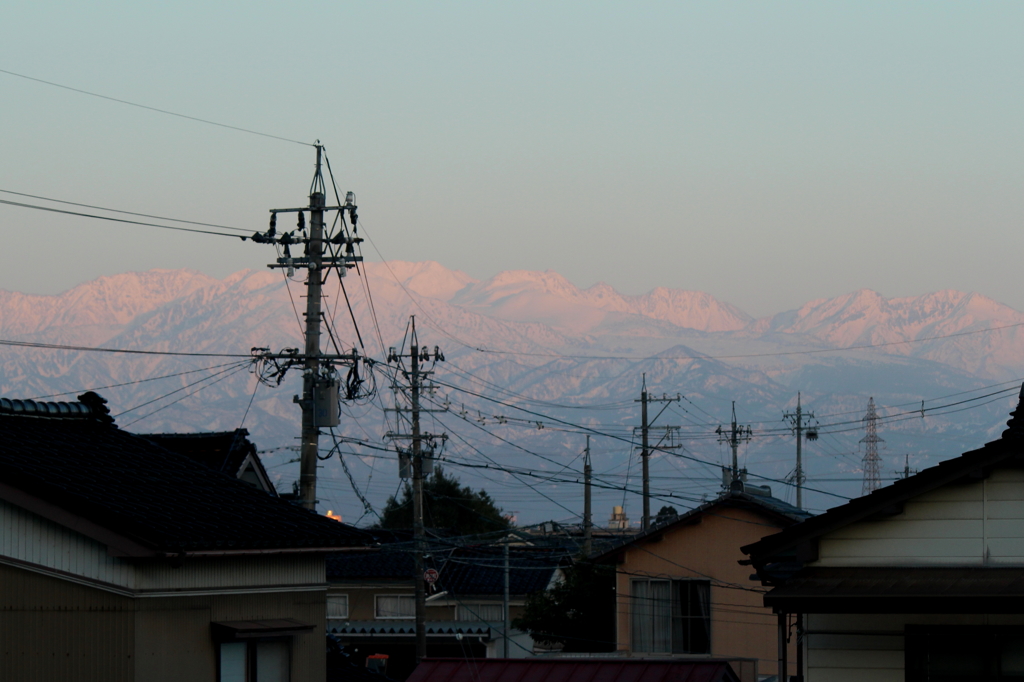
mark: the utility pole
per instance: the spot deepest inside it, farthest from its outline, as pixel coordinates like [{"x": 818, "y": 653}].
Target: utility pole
[
  {"x": 734, "y": 437},
  {"x": 907, "y": 471},
  {"x": 588, "y": 519},
  {"x": 504, "y": 602},
  {"x": 415, "y": 376},
  {"x": 645, "y": 451},
  {"x": 320, "y": 386},
  {"x": 799, "y": 423},
  {"x": 872, "y": 477}
]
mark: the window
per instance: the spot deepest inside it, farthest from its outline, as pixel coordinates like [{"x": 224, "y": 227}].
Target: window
[
  {"x": 964, "y": 653},
  {"x": 337, "y": 606},
  {"x": 395, "y": 606},
  {"x": 670, "y": 616},
  {"x": 254, "y": 661},
  {"x": 487, "y": 613}
]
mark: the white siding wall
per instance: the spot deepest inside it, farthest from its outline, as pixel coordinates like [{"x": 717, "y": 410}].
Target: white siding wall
[
  {"x": 959, "y": 525},
  {"x": 871, "y": 658},
  {"x": 33, "y": 539},
  {"x": 26, "y": 537}
]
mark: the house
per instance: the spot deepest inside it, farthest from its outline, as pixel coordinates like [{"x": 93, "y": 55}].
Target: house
[
  {"x": 230, "y": 452},
  {"x": 121, "y": 560},
  {"x": 371, "y": 605},
  {"x": 920, "y": 580},
  {"x": 681, "y": 591},
  {"x": 573, "y": 670}
]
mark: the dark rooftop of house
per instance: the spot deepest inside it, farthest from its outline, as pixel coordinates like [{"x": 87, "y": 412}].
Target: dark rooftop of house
[
  {"x": 71, "y": 456},
  {"x": 221, "y": 451},
  {"x": 462, "y": 571},
  {"x": 753, "y": 498},
  {"x": 576, "y": 670},
  {"x": 781, "y": 546}
]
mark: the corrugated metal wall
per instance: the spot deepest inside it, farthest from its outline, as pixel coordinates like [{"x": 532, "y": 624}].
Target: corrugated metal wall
[
  {"x": 31, "y": 538},
  {"x": 58, "y": 631}
]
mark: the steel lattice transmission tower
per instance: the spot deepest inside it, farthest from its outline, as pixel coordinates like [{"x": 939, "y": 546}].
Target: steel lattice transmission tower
[{"x": 872, "y": 474}]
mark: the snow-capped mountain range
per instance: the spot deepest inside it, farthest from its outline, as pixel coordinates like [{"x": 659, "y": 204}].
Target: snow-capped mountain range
[{"x": 527, "y": 349}]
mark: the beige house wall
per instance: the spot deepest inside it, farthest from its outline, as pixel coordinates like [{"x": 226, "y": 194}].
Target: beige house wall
[{"x": 741, "y": 627}]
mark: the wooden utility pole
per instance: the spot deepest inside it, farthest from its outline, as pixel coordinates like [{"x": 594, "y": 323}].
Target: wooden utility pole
[{"x": 645, "y": 428}]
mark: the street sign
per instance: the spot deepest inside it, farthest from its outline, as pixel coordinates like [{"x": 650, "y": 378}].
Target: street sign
[{"x": 430, "y": 576}]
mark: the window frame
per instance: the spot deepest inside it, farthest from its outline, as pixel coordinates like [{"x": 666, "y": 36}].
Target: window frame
[
  {"x": 347, "y": 606},
  {"x": 251, "y": 656},
  {"x": 376, "y": 607},
  {"x": 474, "y": 606},
  {"x": 676, "y": 637}
]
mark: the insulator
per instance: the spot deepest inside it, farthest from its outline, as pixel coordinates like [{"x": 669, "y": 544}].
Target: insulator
[
  {"x": 273, "y": 225},
  {"x": 355, "y": 217},
  {"x": 302, "y": 220},
  {"x": 350, "y": 198}
]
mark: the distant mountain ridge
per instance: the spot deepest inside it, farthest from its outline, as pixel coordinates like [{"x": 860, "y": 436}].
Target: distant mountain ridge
[{"x": 520, "y": 336}]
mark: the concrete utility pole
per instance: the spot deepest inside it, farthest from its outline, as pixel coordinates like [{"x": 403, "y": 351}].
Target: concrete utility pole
[
  {"x": 320, "y": 386},
  {"x": 588, "y": 517},
  {"x": 734, "y": 437},
  {"x": 798, "y": 421},
  {"x": 645, "y": 451},
  {"x": 504, "y": 603},
  {"x": 415, "y": 376}
]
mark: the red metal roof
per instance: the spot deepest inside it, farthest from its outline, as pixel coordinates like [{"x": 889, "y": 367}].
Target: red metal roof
[{"x": 572, "y": 670}]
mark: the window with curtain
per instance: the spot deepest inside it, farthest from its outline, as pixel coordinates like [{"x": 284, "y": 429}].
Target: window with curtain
[
  {"x": 670, "y": 616},
  {"x": 487, "y": 613},
  {"x": 337, "y": 606},
  {"x": 395, "y": 606},
  {"x": 254, "y": 661}
]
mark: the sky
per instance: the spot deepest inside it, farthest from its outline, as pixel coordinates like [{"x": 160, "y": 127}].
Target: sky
[{"x": 767, "y": 153}]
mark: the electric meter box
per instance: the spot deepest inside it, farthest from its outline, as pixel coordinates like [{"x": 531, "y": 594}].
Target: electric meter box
[{"x": 326, "y": 410}]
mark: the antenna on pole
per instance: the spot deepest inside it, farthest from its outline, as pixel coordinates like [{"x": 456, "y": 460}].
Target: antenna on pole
[{"x": 872, "y": 477}]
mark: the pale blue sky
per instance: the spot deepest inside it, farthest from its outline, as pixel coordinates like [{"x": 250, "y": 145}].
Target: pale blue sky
[{"x": 768, "y": 153}]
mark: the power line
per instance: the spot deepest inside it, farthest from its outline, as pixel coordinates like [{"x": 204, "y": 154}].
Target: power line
[
  {"x": 55, "y": 346},
  {"x": 159, "y": 111},
  {"x": 131, "y": 383},
  {"x": 114, "y": 210},
  {"x": 114, "y": 220}
]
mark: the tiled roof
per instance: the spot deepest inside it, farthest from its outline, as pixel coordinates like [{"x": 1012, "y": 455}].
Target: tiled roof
[
  {"x": 387, "y": 563},
  {"x": 576, "y": 670},
  {"x": 158, "y": 499},
  {"x": 221, "y": 451}
]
